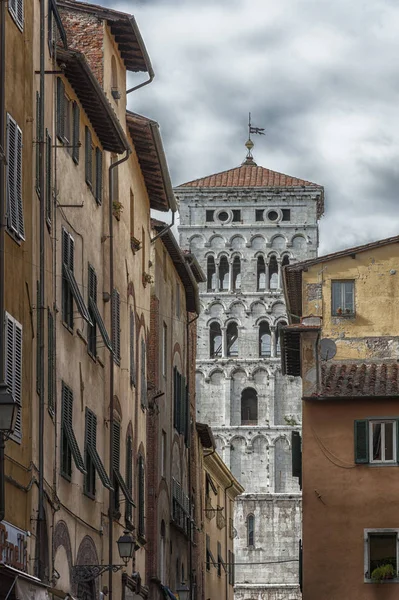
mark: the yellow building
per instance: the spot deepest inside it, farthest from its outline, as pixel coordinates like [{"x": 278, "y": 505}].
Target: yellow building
[
  {"x": 220, "y": 489},
  {"x": 343, "y": 340}
]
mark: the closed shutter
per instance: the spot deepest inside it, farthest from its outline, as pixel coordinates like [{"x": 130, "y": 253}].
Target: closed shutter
[
  {"x": 175, "y": 399},
  {"x": 143, "y": 377},
  {"x": 361, "y": 441},
  {"x": 15, "y": 220},
  {"x": 116, "y": 326},
  {"x": 92, "y": 284},
  {"x": 116, "y": 446},
  {"x": 88, "y": 158},
  {"x": 71, "y": 446},
  {"x": 99, "y": 176},
  {"x": 13, "y": 366},
  {"x": 75, "y": 132},
  {"x": 50, "y": 361},
  {"x": 37, "y": 140},
  {"x": 37, "y": 337},
  {"x": 48, "y": 177},
  {"x": 60, "y": 109},
  {"x": 129, "y": 476},
  {"x": 183, "y": 413},
  {"x": 132, "y": 345},
  {"x": 296, "y": 449},
  {"x": 187, "y": 432},
  {"x": 141, "y": 529}
]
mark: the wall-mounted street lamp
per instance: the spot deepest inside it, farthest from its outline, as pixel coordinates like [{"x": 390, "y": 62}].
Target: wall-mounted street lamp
[
  {"x": 126, "y": 547},
  {"x": 183, "y": 592},
  {"x": 8, "y": 416}
]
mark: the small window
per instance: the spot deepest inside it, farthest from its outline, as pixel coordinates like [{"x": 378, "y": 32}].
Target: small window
[
  {"x": 279, "y": 333},
  {"x": 259, "y": 214},
  {"x": 261, "y": 274},
  {"x": 249, "y": 407},
  {"x": 236, "y": 273},
  {"x": 286, "y": 212},
  {"x": 215, "y": 340},
  {"x": 224, "y": 271},
  {"x": 70, "y": 288},
  {"x": 211, "y": 274},
  {"x": 265, "y": 339},
  {"x": 343, "y": 298},
  {"x": 381, "y": 554},
  {"x": 223, "y": 216},
  {"x": 236, "y": 216},
  {"x": 69, "y": 446},
  {"x": 164, "y": 349},
  {"x": 251, "y": 530},
  {"x": 232, "y": 339},
  {"x": 272, "y": 215},
  {"x": 209, "y": 216},
  {"x": 273, "y": 273},
  {"x": 383, "y": 441},
  {"x": 92, "y": 457},
  {"x": 16, "y": 10}
]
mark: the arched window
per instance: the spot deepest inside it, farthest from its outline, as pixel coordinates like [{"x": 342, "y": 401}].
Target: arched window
[
  {"x": 250, "y": 530},
  {"x": 273, "y": 273},
  {"x": 249, "y": 407},
  {"x": 236, "y": 273},
  {"x": 278, "y": 337},
  {"x": 232, "y": 339},
  {"x": 215, "y": 340},
  {"x": 286, "y": 260},
  {"x": 264, "y": 339},
  {"x": 223, "y": 274},
  {"x": 261, "y": 274},
  {"x": 211, "y": 274}
]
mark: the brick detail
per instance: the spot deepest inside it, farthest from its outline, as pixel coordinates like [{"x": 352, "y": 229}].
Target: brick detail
[{"x": 85, "y": 33}]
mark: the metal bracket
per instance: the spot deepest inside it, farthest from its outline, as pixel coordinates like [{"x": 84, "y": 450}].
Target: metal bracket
[{"x": 82, "y": 573}]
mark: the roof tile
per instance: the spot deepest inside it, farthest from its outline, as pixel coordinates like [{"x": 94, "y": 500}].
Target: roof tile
[{"x": 350, "y": 380}]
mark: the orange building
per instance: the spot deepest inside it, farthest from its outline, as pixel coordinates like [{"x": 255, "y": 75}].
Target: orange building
[{"x": 343, "y": 341}]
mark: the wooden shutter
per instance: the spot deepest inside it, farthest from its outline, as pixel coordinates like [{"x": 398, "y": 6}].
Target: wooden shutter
[
  {"x": 129, "y": 475},
  {"x": 296, "y": 449},
  {"x": 141, "y": 529},
  {"x": 143, "y": 379},
  {"x": 38, "y": 337},
  {"x": 116, "y": 326},
  {"x": 50, "y": 361},
  {"x": 183, "y": 413},
  {"x": 60, "y": 109},
  {"x": 361, "y": 441},
  {"x": 20, "y": 13},
  {"x": 15, "y": 220},
  {"x": 37, "y": 140},
  {"x": 92, "y": 284},
  {"x": 18, "y": 183},
  {"x": 75, "y": 132},
  {"x": 88, "y": 158},
  {"x": 48, "y": 177},
  {"x": 175, "y": 399},
  {"x": 13, "y": 366},
  {"x": 116, "y": 446},
  {"x": 99, "y": 176},
  {"x": 132, "y": 345}
]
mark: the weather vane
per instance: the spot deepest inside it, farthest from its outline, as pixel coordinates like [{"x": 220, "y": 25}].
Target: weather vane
[{"x": 249, "y": 160}]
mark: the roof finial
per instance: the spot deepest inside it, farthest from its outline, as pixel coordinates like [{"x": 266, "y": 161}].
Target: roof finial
[{"x": 249, "y": 160}]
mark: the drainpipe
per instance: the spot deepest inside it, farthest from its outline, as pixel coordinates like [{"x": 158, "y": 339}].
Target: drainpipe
[
  {"x": 40, "y": 308},
  {"x": 2, "y": 225},
  {"x": 165, "y": 230},
  {"x": 226, "y": 538},
  {"x": 111, "y": 364}
]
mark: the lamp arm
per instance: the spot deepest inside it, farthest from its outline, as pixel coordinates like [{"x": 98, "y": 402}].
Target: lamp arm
[{"x": 82, "y": 573}]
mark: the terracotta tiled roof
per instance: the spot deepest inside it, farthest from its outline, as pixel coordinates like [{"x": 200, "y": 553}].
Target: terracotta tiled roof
[
  {"x": 347, "y": 380},
  {"x": 249, "y": 176}
]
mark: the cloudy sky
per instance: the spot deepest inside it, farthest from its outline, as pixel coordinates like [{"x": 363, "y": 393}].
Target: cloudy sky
[{"x": 321, "y": 77}]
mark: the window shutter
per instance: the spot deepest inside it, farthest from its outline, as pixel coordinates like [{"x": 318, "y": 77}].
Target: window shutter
[
  {"x": 116, "y": 326},
  {"x": 15, "y": 220},
  {"x": 21, "y": 229},
  {"x": 183, "y": 413},
  {"x": 75, "y": 132},
  {"x": 99, "y": 176},
  {"x": 296, "y": 449},
  {"x": 187, "y": 433},
  {"x": 60, "y": 109},
  {"x": 37, "y": 337},
  {"x": 37, "y": 145},
  {"x": 92, "y": 284},
  {"x": 48, "y": 177},
  {"x": 132, "y": 344},
  {"x": 116, "y": 446},
  {"x": 361, "y": 442},
  {"x": 89, "y": 158},
  {"x": 50, "y": 361},
  {"x": 175, "y": 399},
  {"x": 18, "y": 377},
  {"x": 20, "y": 13},
  {"x": 143, "y": 378},
  {"x": 129, "y": 475},
  {"x": 141, "y": 529}
]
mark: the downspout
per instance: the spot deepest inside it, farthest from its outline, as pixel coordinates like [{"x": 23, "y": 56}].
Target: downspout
[
  {"x": 191, "y": 448},
  {"x": 111, "y": 363},
  {"x": 2, "y": 223},
  {"x": 226, "y": 539},
  {"x": 41, "y": 516},
  {"x": 165, "y": 230}
]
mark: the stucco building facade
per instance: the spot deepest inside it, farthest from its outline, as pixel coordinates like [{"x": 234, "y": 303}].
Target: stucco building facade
[{"x": 244, "y": 225}]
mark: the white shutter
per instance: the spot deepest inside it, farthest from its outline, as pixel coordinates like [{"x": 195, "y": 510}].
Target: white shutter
[
  {"x": 16, "y": 8},
  {"x": 13, "y": 365},
  {"x": 15, "y": 220},
  {"x": 18, "y": 184}
]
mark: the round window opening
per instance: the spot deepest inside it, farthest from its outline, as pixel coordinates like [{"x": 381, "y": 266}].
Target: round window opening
[
  {"x": 223, "y": 216},
  {"x": 272, "y": 215}
]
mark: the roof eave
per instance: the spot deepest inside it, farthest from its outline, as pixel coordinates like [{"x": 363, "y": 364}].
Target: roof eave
[
  {"x": 164, "y": 166},
  {"x": 142, "y": 46}
]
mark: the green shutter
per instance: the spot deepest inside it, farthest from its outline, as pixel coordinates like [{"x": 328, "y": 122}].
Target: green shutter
[
  {"x": 116, "y": 326},
  {"x": 60, "y": 109},
  {"x": 132, "y": 344},
  {"x": 48, "y": 178},
  {"x": 129, "y": 476},
  {"x": 37, "y": 142},
  {"x": 361, "y": 442},
  {"x": 92, "y": 284},
  {"x": 75, "y": 132},
  {"x": 116, "y": 446},
  {"x": 89, "y": 158},
  {"x": 99, "y": 176},
  {"x": 50, "y": 361},
  {"x": 37, "y": 337}
]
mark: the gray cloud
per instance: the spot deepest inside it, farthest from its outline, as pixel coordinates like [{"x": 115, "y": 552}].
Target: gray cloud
[{"x": 321, "y": 78}]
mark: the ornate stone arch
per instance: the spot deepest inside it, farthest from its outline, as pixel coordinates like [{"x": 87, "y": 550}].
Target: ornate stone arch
[
  {"x": 199, "y": 236},
  {"x": 214, "y": 237},
  {"x": 235, "y": 237},
  {"x": 61, "y": 538},
  {"x": 217, "y": 370},
  {"x": 87, "y": 555},
  {"x": 263, "y": 318}
]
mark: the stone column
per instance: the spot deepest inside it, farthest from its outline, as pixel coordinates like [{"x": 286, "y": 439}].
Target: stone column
[
  {"x": 267, "y": 287},
  {"x": 279, "y": 274},
  {"x": 273, "y": 342},
  {"x": 230, "y": 276},
  {"x": 223, "y": 330}
]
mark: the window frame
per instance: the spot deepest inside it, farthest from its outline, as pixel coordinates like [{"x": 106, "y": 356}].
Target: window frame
[
  {"x": 367, "y": 534},
  {"x": 383, "y": 422},
  {"x": 334, "y": 310},
  {"x": 251, "y": 532}
]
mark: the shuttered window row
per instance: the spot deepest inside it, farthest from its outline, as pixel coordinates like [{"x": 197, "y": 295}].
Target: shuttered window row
[
  {"x": 13, "y": 366},
  {"x": 116, "y": 326},
  {"x": 69, "y": 445},
  {"x": 93, "y": 461},
  {"x": 70, "y": 288},
  {"x": 15, "y": 216},
  {"x": 16, "y": 9}
]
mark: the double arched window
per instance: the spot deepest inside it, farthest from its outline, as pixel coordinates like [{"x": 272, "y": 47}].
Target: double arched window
[
  {"x": 249, "y": 407},
  {"x": 224, "y": 274},
  {"x": 232, "y": 339},
  {"x": 265, "y": 339},
  {"x": 215, "y": 340}
]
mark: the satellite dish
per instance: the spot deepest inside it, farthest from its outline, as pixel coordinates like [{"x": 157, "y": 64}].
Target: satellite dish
[{"x": 328, "y": 349}]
